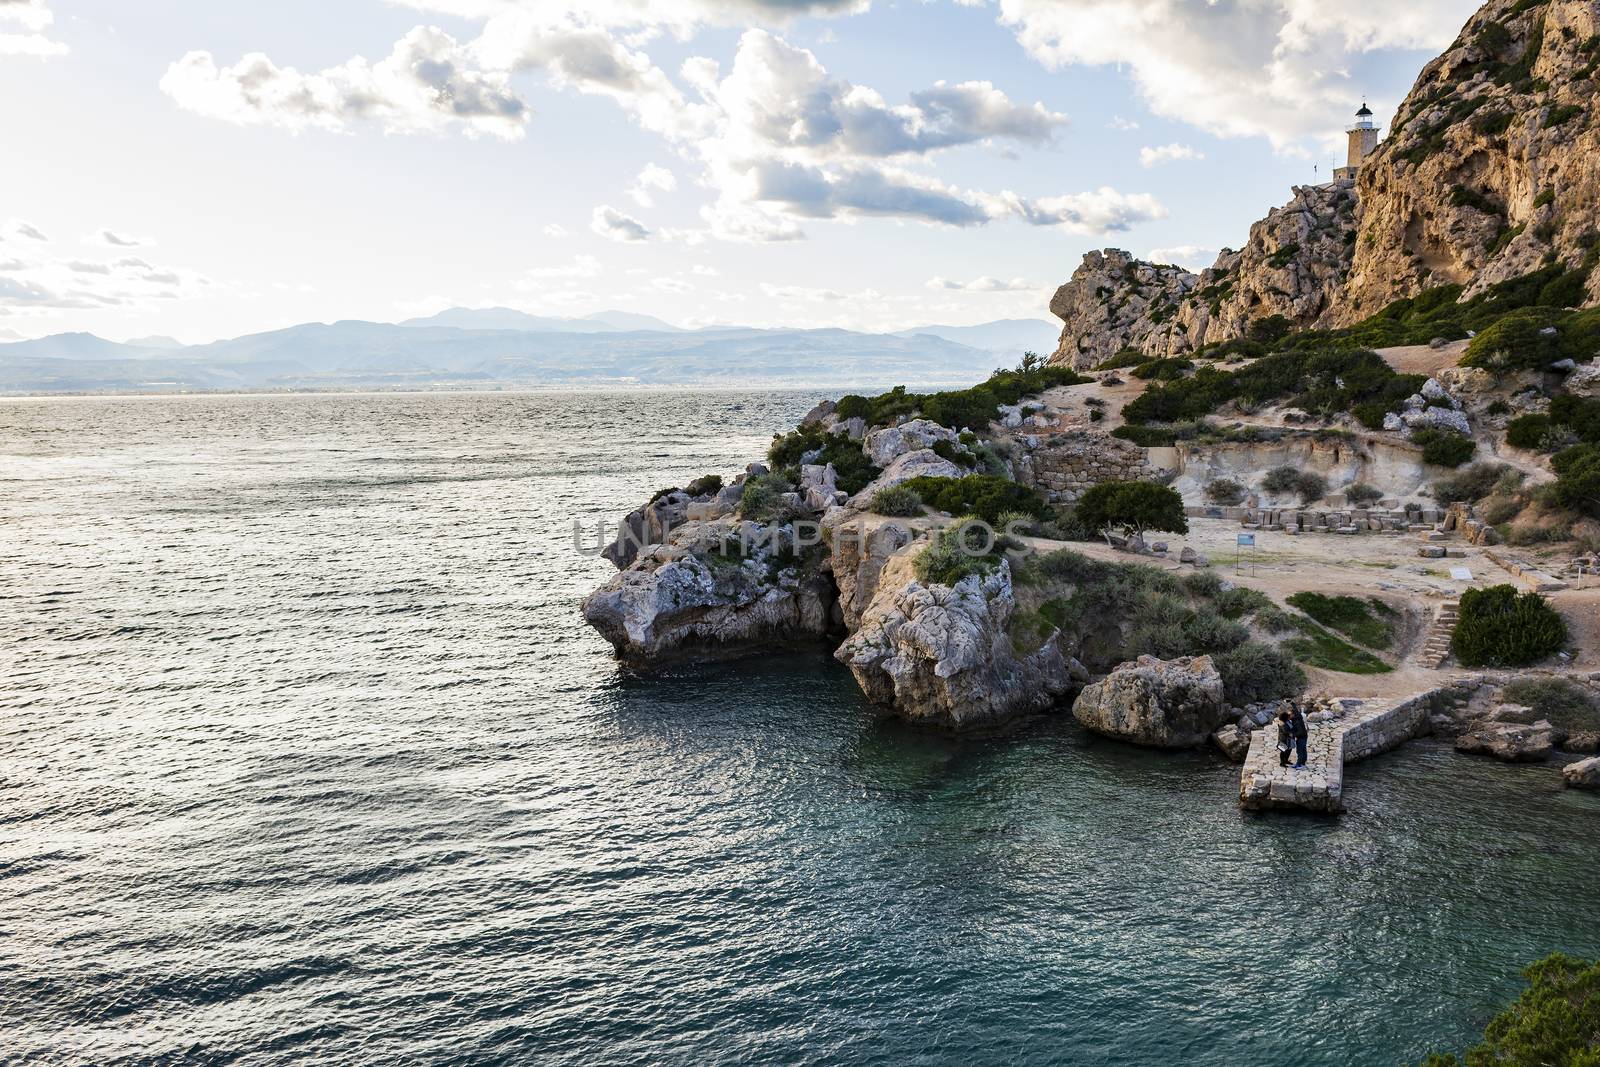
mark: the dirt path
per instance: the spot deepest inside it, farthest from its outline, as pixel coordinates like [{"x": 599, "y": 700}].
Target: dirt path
[{"x": 1421, "y": 359}]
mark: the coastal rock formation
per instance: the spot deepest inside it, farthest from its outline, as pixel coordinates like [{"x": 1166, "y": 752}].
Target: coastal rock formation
[
  {"x": 941, "y": 654},
  {"x": 1488, "y": 173},
  {"x": 689, "y": 597},
  {"x": 861, "y": 548},
  {"x": 1162, "y": 703},
  {"x": 909, "y": 465},
  {"x": 888, "y": 443},
  {"x": 1511, "y": 742},
  {"x": 1585, "y": 774},
  {"x": 1293, "y": 260}
]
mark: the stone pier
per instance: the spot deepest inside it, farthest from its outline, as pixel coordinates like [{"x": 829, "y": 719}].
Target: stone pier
[{"x": 1367, "y": 728}]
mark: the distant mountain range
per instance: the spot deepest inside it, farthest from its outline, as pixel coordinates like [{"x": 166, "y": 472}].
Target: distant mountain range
[{"x": 501, "y": 347}]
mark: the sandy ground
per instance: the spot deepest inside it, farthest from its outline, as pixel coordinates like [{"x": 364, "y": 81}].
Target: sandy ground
[{"x": 1420, "y": 359}]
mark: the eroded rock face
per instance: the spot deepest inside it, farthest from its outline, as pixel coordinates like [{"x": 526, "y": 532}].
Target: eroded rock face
[
  {"x": 1161, "y": 703},
  {"x": 683, "y": 598},
  {"x": 1585, "y": 774},
  {"x": 909, "y": 465},
  {"x": 941, "y": 655},
  {"x": 888, "y": 443},
  {"x": 1509, "y": 741},
  {"x": 861, "y": 548}
]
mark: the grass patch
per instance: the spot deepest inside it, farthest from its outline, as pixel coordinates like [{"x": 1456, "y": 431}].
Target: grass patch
[
  {"x": 1363, "y": 621},
  {"x": 1317, "y": 647}
]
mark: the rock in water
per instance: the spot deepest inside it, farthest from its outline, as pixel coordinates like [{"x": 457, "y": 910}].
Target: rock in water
[
  {"x": 941, "y": 654},
  {"x": 1162, "y": 703},
  {"x": 1511, "y": 742},
  {"x": 1585, "y": 774},
  {"x": 1233, "y": 740}
]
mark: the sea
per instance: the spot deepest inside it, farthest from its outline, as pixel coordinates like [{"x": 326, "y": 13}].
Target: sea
[{"x": 307, "y": 756}]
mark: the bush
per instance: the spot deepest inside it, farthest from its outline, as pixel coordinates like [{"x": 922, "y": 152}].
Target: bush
[
  {"x": 1210, "y": 632},
  {"x": 1555, "y": 1021},
  {"x": 1527, "y": 431},
  {"x": 1361, "y": 620},
  {"x": 1361, "y": 493},
  {"x": 959, "y": 456},
  {"x": 762, "y": 500},
  {"x": 975, "y": 407},
  {"x": 952, "y": 555},
  {"x": 1132, "y": 506},
  {"x": 1566, "y": 705},
  {"x": 985, "y": 495},
  {"x": 1128, "y": 357},
  {"x": 1225, "y": 492},
  {"x": 1146, "y": 436},
  {"x": 851, "y": 466},
  {"x": 1470, "y": 485},
  {"x": 1500, "y": 627},
  {"x": 1239, "y": 601},
  {"x": 897, "y": 501},
  {"x": 1254, "y": 672},
  {"x": 1444, "y": 448},
  {"x": 1517, "y": 341},
  {"x": 1283, "y": 481},
  {"x": 1578, "y": 478},
  {"x": 1163, "y": 370}
]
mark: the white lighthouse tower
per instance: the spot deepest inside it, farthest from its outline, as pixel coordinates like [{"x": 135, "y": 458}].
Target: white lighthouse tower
[{"x": 1363, "y": 139}]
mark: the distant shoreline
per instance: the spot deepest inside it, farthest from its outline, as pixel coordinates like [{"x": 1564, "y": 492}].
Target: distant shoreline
[{"x": 457, "y": 390}]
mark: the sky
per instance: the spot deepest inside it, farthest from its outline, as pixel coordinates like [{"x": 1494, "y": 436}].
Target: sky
[{"x": 209, "y": 168}]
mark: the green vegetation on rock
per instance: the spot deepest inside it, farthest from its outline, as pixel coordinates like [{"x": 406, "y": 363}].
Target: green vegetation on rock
[
  {"x": 897, "y": 501},
  {"x": 1554, "y": 1023},
  {"x": 1367, "y": 622},
  {"x": 852, "y": 468},
  {"x": 1321, "y": 648},
  {"x": 986, "y": 496},
  {"x": 958, "y": 409}
]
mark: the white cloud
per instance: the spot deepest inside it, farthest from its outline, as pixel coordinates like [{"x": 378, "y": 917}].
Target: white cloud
[
  {"x": 1097, "y": 213},
  {"x": 652, "y": 179},
  {"x": 1192, "y": 257},
  {"x": 1119, "y": 123},
  {"x": 703, "y": 271},
  {"x": 38, "y": 285},
  {"x": 112, "y": 239},
  {"x": 613, "y": 225},
  {"x": 1271, "y": 68},
  {"x": 19, "y": 228},
  {"x": 1155, "y": 156},
  {"x": 802, "y": 293},
  {"x": 984, "y": 284},
  {"x": 427, "y": 83},
  {"x": 33, "y": 16},
  {"x": 555, "y": 230}
]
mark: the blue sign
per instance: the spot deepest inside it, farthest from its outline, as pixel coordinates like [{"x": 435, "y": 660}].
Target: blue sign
[{"x": 1248, "y": 539}]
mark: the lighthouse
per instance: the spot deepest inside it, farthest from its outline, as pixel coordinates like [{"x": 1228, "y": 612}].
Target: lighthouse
[{"x": 1363, "y": 139}]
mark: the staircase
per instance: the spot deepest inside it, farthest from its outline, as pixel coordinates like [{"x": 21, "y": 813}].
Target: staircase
[{"x": 1437, "y": 647}]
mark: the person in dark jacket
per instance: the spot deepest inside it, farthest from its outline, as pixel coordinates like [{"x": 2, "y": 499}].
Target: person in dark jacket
[
  {"x": 1297, "y": 726},
  {"x": 1285, "y": 738}
]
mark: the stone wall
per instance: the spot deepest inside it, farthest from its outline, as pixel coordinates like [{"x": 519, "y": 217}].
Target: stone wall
[
  {"x": 1061, "y": 466},
  {"x": 1392, "y": 728}
]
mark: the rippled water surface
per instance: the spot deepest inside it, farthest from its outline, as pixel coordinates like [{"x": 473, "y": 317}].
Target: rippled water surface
[{"x": 305, "y": 755}]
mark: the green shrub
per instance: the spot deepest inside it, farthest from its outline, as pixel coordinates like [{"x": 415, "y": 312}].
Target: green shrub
[
  {"x": 1225, "y": 492},
  {"x": 952, "y": 554},
  {"x": 1518, "y": 341},
  {"x": 1361, "y": 620},
  {"x": 1128, "y": 357},
  {"x": 1578, "y": 478},
  {"x": 762, "y": 500},
  {"x": 897, "y": 501},
  {"x": 1444, "y": 448},
  {"x": 1568, "y": 706},
  {"x": 1238, "y": 602},
  {"x": 1561, "y": 114},
  {"x": 1361, "y": 493},
  {"x": 959, "y": 456},
  {"x": 1162, "y": 370},
  {"x": 1500, "y": 627},
  {"x": 852, "y": 468},
  {"x": 1132, "y": 506},
  {"x": 1470, "y": 485},
  {"x": 1204, "y": 585},
  {"x": 985, "y": 495},
  {"x": 1286, "y": 481},
  {"x": 1526, "y": 431},
  {"x": 1210, "y": 632},
  {"x": 1254, "y": 672},
  {"x": 958, "y": 408},
  {"x": 1146, "y": 436},
  {"x": 1555, "y": 1022}
]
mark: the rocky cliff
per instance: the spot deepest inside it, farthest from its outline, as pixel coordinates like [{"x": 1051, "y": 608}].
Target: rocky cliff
[{"x": 1491, "y": 169}]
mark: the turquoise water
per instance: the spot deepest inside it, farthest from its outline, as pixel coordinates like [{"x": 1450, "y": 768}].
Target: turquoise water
[{"x": 306, "y": 755}]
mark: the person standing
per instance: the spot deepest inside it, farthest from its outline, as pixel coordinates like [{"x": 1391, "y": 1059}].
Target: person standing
[
  {"x": 1301, "y": 731},
  {"x": 1285, "y": 738}
]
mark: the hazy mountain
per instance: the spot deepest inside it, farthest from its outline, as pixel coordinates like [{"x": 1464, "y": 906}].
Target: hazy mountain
[
  {"x": 1002, "y": 335},
  {"x": 628, "y": 320},
  {"x": 354, "y": 354},
  {"x": 510, "y": 319},
  {"x": 155, "y": 341}
]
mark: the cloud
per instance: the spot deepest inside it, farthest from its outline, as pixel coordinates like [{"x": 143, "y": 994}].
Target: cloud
[
  {"x": 35, "y": 17},
  {"x": 652, "y": 179},
  {"x": 555, "y": 230},
  {"x": 802, "y": 293},
  {"x": 1097, "y": 213},
  {"x": 1117, "y": 122},
  {"x": 41, "y": 285},
  {"x": 1271, "y": 68},
  {"x": 984, "y": 284},
  {"x": 113, "y": 239},
  {"x": 428, "y": 82},
  {"x": 19, "y": 228},
  {"x": 1192, "y": 257},
  {"x": 613, "y": 225},
  {"x": 1168, "y": 153}
]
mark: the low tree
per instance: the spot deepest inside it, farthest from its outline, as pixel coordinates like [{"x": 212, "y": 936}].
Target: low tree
[
  {"x": 1554, "y": 1023},
  {"x": 1132, "y": 507}
]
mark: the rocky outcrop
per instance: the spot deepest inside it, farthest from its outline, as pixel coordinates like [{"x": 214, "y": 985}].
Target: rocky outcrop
[
  {"x": 1511, "y": 742},
  {"x": 861, "y": 548},
  {"x": 1491, "y": 163},
  {"x": 1233, "y": 741},
  {"x": 715, "y": 589},
  {"x": 1487, "y": 173},
  {"x": 921, "y": 463},
  {"x": 1293, "y": 261},
  {"x": 883, "y": 446},
  {"x": 1161, "y": 703},
  {"x": 1585, "y": 774},
  {"x": 941, "y": 654}
]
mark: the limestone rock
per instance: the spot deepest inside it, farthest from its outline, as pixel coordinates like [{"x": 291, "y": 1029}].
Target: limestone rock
[
  {"x": 941, "y": 654},
  {"x": 1585, "y": 774},
  {"x": 1584, "y": 742},
  {"x": 908, "y": 466},
  {"x": 1233, "y": 740},
  {"x": 886, "y": 444},
  {"x": 1512, "y": 742},
  {"x": 1162, "y": 703}
]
